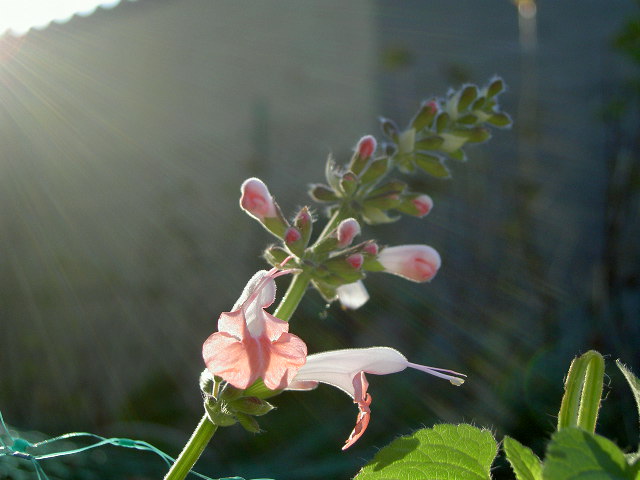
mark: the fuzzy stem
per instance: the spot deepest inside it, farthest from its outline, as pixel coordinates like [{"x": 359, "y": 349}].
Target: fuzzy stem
[{"x": 192, "y": 450}]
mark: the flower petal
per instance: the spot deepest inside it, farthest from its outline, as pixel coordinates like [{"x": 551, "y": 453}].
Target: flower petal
[
  {"x": 286, "y": 356},
  {"x": 236, "y": 361},
  {"x": 363, "y": 400},
  {"x": 353, "y": 295}
]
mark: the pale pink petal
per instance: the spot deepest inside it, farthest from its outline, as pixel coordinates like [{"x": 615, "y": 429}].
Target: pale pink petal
[
  {"x": 234, "y": 360},
  {"x": 363, "y": 400},
  {"x": 419, "y": 263},
  {"x": 273, "y": 326},
  {"x": 256, "y": 199},
  {"x": 285, "y": 357}
]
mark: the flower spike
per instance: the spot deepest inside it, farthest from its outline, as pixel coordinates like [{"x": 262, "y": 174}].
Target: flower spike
[{"x": 251, "y": 343}]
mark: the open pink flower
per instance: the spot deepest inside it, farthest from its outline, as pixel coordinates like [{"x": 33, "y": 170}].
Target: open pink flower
[
  {"x": 256, "y": 199},
  {"x": 251, "y": 343},
  {"x": 419, "y": 263},
  {"x": 345, "y": 369}
]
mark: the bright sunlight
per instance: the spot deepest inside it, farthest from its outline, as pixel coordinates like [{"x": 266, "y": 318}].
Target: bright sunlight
[{"x": 19, "y": 16}]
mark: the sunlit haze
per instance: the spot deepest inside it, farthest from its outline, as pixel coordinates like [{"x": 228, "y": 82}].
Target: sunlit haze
[{"x": 17, "y": 17}]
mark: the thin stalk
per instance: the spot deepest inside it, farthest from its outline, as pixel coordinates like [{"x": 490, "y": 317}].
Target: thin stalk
[{"x": 192, "y": 450}]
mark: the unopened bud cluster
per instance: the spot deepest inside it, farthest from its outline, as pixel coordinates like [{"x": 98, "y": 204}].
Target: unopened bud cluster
[{"x": 226, "y": 405}]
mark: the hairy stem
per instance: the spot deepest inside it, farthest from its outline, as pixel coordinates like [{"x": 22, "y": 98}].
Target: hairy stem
[{"x": 192, "y": 450}]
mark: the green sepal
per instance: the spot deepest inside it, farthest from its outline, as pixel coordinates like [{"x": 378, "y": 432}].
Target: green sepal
[
  {"x": 473, "y": 135},
  {"x": 425, "y": 115},
  {"x": 332, "y": 174},
  {"x": 387, "y": 202},
  {"x": 375, "y": 171},
  {"x": 442, "y": 122},
  {"x": 468, "y": 119},
  {"x": 432, "y": 165},
  {"x": 260, "y": 390},
  {"x": 251, "y": 406},
  {"x": 342, "y": 269},
  {"x": 327, "y": 292},
  {"x": 375, "y": 216},
  {"x": 495, "y": 87},
  {"x": 218, "y": 413},
  {"x": 407, "y": 141},
  {"x": 276, "y": 225},
  {"x": 429, "y": 143},
  {"x": 371, "y": 264},
  {"x": 249, "y": 423},
  {"x": 349, "y": 184},
  {"x": 468, "y": 95},
  {"x": 304, "y": 223},
  {"x": 322, "y": 193},
  {"x": 229, "y": 393},
  {"x": 389, "y": 128},
  {"x": 479, "y": 104},
  {"x": 392, "y": 187},
  {"x": 407, "y": 206},
  {"x": 500, "y": 119},
  {"x": 296, "y": 247},
  {"x": 327, "y": 244},
  {"x": 275, "y": 255},
  {"x": 458, "y": 155},
  {"x": 206, "y": 382}
]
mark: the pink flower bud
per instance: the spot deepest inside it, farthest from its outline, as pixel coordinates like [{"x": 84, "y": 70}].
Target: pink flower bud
[
  {"x": 418, "y": 263},
  {"x": 256, "y": 199},
  {"x": 371, "y": 249},
  {"x": 366, "y": 146},
  {"x": 432, "y": 105},
  {"x": 292, "y": 235},
  {"x": 356, "y": 260},
  {"x": 423, "y": 204},
  {"x": 346, "y": 231}
]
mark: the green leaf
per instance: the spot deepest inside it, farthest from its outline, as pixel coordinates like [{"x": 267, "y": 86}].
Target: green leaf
[
  {"x": 524, "y": 462},
  {"x": 575, "y": 454},
  {"x": 444, "y": 452},
  {"x": 633, "y": 381}
]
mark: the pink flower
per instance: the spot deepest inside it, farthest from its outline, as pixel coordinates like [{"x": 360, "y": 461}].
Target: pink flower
[
  {"x": 347, "y": 230},
  {"x": 345, "y": 369},
  {"x": 251, "y": 343},
  {"x": 418, "y": 263},
  {"x": 256, "y": 199},
  {"x": 423, "y": 204},
  {"x": 366, "y": 146}
]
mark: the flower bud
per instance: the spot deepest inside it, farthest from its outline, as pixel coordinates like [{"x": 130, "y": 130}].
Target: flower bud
[
  {"x": 346, "y": 231},
  {"x": 352, "y": 295},
  {"x": 418, "y": 263},
  {"x": 417, "y": 205},
  {"x": 389, "y": 128},
  {"x": 425, "y": 115},
  {"x": 349, "y": 183},
  {"x": 256, "y": 199},
  {"x": 356, "y": 260},
  {"x": 293, "y": 240},
  {"x": 258, "y": 202},
  {"x": 304, "y": 223},
  {"x": 366, "y": 146},
  {"x": 371, "y": 248},
  {"x": 375, "y": 171}
]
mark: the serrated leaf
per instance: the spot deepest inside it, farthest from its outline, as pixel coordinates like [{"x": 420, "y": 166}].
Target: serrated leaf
[
  {"x": 575, "y": 454},
  {"x": 525, "y": 464},
  {"x": 444, "y": 452}
]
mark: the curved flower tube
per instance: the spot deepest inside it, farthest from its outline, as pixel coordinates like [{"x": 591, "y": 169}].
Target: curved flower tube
[
  {"x": 346, "y": 369},
  {"x": 251, "y": 343}
]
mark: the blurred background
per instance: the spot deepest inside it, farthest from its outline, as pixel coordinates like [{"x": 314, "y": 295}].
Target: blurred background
[{"x": 124, "y": 137}]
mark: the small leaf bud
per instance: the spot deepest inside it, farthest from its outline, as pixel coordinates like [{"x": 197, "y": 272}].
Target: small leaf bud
[
  {"x": 389, "y": 128},
  {"x": 425, "y": 115}
]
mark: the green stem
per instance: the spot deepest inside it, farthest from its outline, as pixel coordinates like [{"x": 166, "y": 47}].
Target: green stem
[
  {"x": 192, "y": 450},
  {"x": 292, "y": 296}
]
